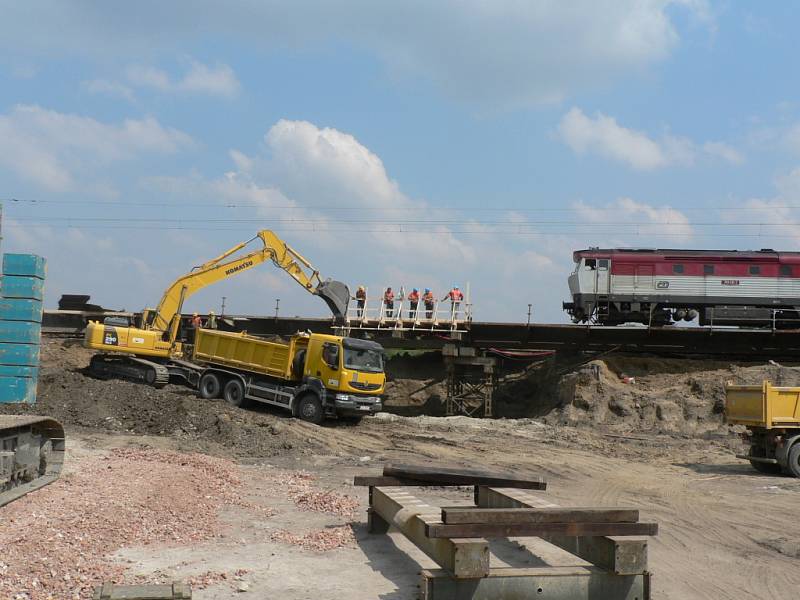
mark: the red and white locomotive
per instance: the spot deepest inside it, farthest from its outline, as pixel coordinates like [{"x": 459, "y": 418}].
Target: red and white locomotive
[{"x": 659, "y": 287}]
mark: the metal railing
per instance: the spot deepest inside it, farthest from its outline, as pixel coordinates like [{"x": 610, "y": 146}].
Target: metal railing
[{"x": 402, "y": 314}]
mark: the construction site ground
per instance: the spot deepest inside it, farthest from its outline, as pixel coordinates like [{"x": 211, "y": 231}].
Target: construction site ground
[{"x": 161, "y": 485}]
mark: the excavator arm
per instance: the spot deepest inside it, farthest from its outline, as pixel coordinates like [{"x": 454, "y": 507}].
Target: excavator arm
[{"x": 166, "y": 316}]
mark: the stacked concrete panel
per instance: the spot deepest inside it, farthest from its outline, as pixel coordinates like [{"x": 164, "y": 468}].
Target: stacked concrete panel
[{"x": 21, "y": 295}]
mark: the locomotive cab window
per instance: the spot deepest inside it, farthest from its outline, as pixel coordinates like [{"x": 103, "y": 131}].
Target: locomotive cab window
[
  {"x": 786, "y": 271},
  {"x": 602, "y": 264},
  {"x": 708, "y": 269},
  {"x": 754, "y": 270},
  {"x": 677, "y": 268},
  {"x": 590, "y": 264}
]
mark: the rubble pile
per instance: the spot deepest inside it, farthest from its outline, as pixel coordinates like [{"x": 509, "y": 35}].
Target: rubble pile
[
  {"x": 322, "y": 540},
  {"x": 299, "y": 487},
  {"x": 58, "y": 540}
]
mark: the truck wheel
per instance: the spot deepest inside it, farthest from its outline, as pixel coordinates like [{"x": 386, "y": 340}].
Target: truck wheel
[
  {"x": 794, "y": 459},
  {"x": 766, "y": 468},
  {"x": 234, "y": 392},
  {"x": 310, "y": 409},
  {"x": 209, "y": 386}
]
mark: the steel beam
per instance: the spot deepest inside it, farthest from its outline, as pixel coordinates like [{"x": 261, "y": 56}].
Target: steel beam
[
  {"x": 461, "y": 557},
  {"x": 543, "y": 583},
  {"x": 621, "y": 555},
  {"x": 503, "y": 530}
]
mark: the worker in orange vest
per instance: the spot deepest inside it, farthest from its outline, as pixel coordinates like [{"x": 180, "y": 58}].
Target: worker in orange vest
[
  {"x": 388, "y": 302},
  {"x": 455, "y": 297},
  {"x": 428, "y": 299},
  {"x": 413, "y": 302},
  {"x": 361, "y": 300},
  {"x": 197, "y": 323}
]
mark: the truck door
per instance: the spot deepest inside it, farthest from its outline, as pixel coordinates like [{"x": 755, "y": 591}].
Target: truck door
[
  {"x": 328, "y": 369},
  {"x": 643, "y": 278}
]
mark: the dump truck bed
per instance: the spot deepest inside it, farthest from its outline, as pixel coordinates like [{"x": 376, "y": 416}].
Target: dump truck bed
[
  {"x": 245, "y": 352},
  {"x": 763, "y": 406}
]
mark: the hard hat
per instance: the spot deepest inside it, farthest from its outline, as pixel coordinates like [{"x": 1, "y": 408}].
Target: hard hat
[
  {"x": 361, "y": 287},
  {"x": 455, "y": 287},
  {"x": 194, "y": 314},
  {"x": 416, "y": 290},
  {"x": 210, "y": 313},
  {"x": 427, "y": 289}
]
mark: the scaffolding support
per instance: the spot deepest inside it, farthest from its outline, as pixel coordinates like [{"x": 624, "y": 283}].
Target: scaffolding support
[{"x": 471, "y": 381}]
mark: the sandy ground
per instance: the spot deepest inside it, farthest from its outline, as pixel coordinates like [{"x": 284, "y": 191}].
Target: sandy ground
[
  {"x": 726, "y": 531},
  {"x": 659, "y": 444}
]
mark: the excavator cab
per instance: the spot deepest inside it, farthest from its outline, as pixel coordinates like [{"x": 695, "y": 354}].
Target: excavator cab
[{"x": 336, "y": 295}]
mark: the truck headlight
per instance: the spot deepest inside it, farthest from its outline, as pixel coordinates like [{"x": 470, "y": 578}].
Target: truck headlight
[{"x": 342, "y": 397}]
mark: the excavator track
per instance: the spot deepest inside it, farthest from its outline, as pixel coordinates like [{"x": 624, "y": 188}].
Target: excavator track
[
  {"x": 133, "y": 368},
  {"x": 31, "y": 454}
]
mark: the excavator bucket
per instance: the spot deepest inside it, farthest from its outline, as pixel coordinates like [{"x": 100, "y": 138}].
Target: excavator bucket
[
  {"x": 336, "y": 295},
  {"x": 31, "y": 454}
]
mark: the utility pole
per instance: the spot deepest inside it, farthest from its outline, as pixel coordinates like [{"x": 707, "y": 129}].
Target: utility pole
[
  {"x": 222, "y": 312},
  {"x": 277, "y": 306},
  {"x": 529, "y": 314}
]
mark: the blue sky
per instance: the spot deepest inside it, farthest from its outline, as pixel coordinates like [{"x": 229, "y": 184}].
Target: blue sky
[{"x": 416, "y": 145}]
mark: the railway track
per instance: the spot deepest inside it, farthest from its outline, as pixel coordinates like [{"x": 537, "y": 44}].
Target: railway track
[{"x": 716, "y": 342}]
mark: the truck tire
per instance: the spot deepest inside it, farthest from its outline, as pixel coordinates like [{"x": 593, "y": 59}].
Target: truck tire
[
  {"x": 794, "y": 459},
  {"x": 309, "y": 409},
  {"x": 766, "y": 468},
  {"x": 234, "y": 392},
  {"x": 209, "y": 386}
]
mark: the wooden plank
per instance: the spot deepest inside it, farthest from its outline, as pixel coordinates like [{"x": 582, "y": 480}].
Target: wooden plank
[
  {"x": 439, "y": 475},
  {"x": 369, "y": 480},
  {"x": 622, "y": 555},
  {"x": 549, "y": 583},
  {"x": 459, "y": 515},
  {"x": 502, "y": 530},
  {"x": 461, "y": 557}
]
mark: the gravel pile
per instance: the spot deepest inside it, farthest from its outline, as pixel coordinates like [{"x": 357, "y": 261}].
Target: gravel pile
[{"x": 57, "y": 542}]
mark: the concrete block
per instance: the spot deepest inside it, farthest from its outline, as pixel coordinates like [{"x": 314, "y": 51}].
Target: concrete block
[
  {"x": 20, "y": 332},
  {"x": 19, "y": 354},
  {"x": 29, "y": 265},
  {"x": 18, "y": 390},
  {"x": 17, "y": 286},
  {"x": 20, "y": 309}
]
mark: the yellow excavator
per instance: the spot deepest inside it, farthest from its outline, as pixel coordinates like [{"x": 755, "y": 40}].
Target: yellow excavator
[{"x": 150, "y": 350}]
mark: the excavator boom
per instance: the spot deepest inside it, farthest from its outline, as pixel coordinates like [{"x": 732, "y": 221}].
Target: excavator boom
[{"x": 335, "y": 294}]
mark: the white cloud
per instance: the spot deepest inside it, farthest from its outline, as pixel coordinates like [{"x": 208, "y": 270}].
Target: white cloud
[
  {"x": 216, "y": 80},
  {"x": 51, "y": 148},
  {"x": 626, "y": 220},
  {"x": 724, "y": 151},
  {"x": 602, "y": 135},
  {"x": 504, "y": 53},
  {"x": 109, "y": 88}
]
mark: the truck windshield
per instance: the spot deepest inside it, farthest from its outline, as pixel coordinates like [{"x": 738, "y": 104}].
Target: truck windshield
[{"x": 363, "y": 360}]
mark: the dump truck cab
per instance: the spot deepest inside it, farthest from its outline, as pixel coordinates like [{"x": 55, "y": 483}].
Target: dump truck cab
[{"x": 313, "y": 375}]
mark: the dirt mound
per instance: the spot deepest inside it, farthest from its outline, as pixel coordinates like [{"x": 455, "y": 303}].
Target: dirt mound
[
  {"x": 415, "y": 384},
  {"x": 211, "y": 426},
  {"x": 664, "y": 395}
]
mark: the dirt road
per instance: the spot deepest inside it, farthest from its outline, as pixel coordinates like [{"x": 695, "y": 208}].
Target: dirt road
[{"x": 726, "y": 531}]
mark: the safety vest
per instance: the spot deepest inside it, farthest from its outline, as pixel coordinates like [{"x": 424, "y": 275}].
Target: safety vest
[
  {"x": 414, "y": 296},
  {"x": 456, "y": 295},
  {"x": 428, "y": 298},
  {"x": 388, "y": 296}
]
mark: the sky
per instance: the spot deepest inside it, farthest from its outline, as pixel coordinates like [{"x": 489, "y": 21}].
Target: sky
[{"x": 410, "y": 144}]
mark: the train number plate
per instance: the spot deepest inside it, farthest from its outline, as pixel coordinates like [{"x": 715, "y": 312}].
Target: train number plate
[{"x": 730, "y": 282}]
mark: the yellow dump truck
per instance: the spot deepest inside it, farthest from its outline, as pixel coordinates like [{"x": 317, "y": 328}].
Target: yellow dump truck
[
  {"x": 772, "y": 417},
  {"x": 312, "y": 375}
]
